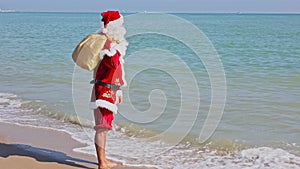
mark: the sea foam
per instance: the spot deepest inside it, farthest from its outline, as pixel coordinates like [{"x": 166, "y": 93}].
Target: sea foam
[{"x": 135, "y": 151}]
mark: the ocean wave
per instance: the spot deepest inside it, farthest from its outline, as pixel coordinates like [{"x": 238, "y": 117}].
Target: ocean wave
[{"x": 131, "y": 145}]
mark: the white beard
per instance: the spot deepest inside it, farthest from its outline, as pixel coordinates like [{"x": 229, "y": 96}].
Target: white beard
[{"x": 118, "y": 33}]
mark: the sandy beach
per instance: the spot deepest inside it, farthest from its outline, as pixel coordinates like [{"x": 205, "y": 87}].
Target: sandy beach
[{"x": 28, "y": 147}]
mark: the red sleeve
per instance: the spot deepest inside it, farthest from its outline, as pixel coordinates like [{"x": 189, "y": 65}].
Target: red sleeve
[{"x": 111, "y": 61}]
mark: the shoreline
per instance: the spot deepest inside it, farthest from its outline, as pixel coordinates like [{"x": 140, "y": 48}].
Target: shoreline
[{"x": 43, "y": 148}]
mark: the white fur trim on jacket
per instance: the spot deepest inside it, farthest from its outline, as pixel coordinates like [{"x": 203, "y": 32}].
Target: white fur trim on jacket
[
  {"x": 123, "y": 72},
  {"x": 104, "y": 104},
  {"x": 113, "y": 50},
  {"x": 119, "y": 93},
  {"x": 107, "y": 52}
]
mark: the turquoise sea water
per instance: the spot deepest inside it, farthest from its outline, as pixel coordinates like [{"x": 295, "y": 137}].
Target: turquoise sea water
[{"x": 260, "y": 55}]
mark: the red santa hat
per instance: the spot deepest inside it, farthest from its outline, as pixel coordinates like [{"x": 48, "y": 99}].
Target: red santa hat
[{"x": 110, "y": 19}]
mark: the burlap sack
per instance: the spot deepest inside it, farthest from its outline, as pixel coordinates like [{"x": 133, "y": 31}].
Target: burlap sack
[{"x": 86, "y": 54}]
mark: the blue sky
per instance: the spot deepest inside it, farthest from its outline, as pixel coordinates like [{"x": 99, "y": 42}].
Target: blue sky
[{"x": 264, "y": 6}]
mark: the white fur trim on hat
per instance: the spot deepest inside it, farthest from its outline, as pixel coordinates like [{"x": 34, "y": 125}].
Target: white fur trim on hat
[
  {"x": 117, "y": 22},
  {"x": 105, "y": 104}
]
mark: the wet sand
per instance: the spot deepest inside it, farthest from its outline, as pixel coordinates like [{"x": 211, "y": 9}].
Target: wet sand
[{"x": 29, "y": 147}]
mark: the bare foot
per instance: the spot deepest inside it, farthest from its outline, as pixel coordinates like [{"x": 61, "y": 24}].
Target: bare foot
[
  {"x": 106, "y": 167},
  {"x": 112, "y": 164}
]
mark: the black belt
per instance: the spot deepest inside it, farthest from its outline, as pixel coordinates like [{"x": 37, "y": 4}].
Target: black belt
[{"x": 113, "y": 87}]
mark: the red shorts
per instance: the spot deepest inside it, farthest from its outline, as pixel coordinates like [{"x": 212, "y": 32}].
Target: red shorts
[{"x": 103, "y": 118}]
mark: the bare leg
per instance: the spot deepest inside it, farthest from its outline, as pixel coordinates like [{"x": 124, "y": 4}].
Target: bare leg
[{"x": 100, "y": 141}]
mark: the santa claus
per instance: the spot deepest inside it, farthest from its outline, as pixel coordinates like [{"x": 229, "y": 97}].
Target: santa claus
[{"x": 108, "y": 78}]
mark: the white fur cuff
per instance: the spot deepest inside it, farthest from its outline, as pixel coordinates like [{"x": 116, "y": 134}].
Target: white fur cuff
[{"x": 119, "y": 93}]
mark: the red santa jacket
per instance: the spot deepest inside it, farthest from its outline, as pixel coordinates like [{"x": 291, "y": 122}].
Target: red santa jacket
[{"x": 109, "y": 70}]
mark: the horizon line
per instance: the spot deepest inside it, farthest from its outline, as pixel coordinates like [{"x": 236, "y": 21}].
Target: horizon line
[{"x": 166, "y": 12}]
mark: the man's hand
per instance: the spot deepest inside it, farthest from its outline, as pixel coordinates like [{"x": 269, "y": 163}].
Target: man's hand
[{"x": 119, "y": 100}]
